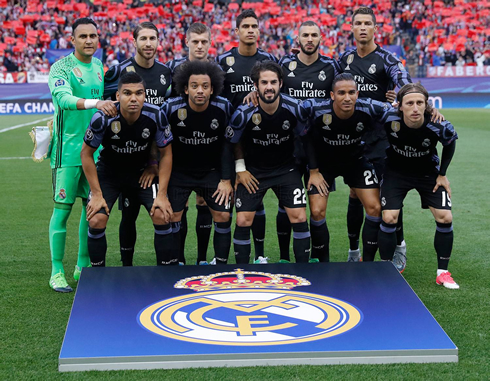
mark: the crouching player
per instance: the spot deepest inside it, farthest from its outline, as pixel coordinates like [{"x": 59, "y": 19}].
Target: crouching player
[
  {"x": 412, "y": 163},
  {"x": 126, "y": 140}
]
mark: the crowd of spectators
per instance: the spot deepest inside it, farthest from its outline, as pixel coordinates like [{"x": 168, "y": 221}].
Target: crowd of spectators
[{"x": 422, "y": 33}]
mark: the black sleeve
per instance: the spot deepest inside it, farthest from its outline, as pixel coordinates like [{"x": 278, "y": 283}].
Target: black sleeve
[
  {"x": 227, "y": 161},
  {"x": 447, "y": 155},
  {"x": 309, "y": 150}
]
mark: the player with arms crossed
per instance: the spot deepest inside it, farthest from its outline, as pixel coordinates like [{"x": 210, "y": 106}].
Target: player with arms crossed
[
  {"x": 198, "y": 41},
  {"x": 334, "y": 148},
  {"x": 266, "y": 134},
  {"x": 127, "y": 140},
  {"x": 158, "y": 81},
  {"x": 76, "y": 85},
  {"x": 236, "y": 64},
  {"x": 377, "y": 72},
  {"x": 202, "y": 161},
  {"x": 413, "y": 163}
]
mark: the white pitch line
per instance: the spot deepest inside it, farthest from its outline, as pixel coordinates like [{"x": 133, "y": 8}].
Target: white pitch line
[
  {"x": 15, "y": 158},
  {"x": 25, "y": 124}
]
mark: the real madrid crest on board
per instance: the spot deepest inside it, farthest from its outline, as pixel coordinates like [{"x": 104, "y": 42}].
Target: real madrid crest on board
[
  {"x": 163, "y": 81},
  {"x": 248, "y": 308},
  {"x": 322, "y": 76},
  {"x": 350, "y": 59},
  {"x": 182, "y": 115},
  {"x": 146, "y": 133},
  {"x": 327, "y": 120},
  {"x": 395, "y": 127},
  {"x": 115, "y": 128},
  {"x": 372, "y": 69},
  {"x": 286, "y": 125},
  {"x": 292, "y": 65},
  {"x": 230, "y": 61},
  {"x": 214, "y": 124}
]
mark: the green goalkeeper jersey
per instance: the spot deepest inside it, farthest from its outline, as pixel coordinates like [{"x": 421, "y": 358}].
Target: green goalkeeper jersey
[{"x": 70, "y": 80}]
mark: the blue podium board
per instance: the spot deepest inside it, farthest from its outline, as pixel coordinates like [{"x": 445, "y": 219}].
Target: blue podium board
[{"x": 249, "y": 315}]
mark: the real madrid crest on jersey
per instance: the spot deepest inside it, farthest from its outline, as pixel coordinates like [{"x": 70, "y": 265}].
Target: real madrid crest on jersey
[
  {"x": 359, "y": 127},
  {"x": 163, "y": 81},
  {"x": 400, "y": 66},
  {"x": 115, "y": 128},
  {"x": 292, "y": 65},
  {"x": 99, "y": 76},
  {"x": 167, "y": 131},
  {"x": 395, "y": 127},
  {"x": 130, "y": 69},
  {"x": 214, "y": 124},
  {"x": 182, "y": 115},
  {"x": 286, "y": 125},
  {"x": 327, "y": 120},
  {"x": 350, "y": 59},
  {"x": 77, "y": 72},
  {"x": 372, "y": 69},
  {"x": 322, "y": 76},
  {"x": 248, "y": 308},
  {"x": 146, "y": 133},
  {"x": 426, "y": 143},
  {"x": 229, "y": 132}
]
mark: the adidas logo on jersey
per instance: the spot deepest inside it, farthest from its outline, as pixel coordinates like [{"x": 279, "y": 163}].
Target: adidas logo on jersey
[
  {"x": 82, "y": 82},
  {"x": 394, "y": 134},
  {"x": 230, "y": 70},
  {"x": 291, "y": 74},
  {"x": 327, "y": 128},
  {"x": 256, "y": 128},
  {"x": 181, "y": 124}
]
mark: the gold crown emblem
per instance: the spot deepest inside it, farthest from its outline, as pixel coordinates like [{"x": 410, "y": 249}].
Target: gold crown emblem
[{"x": 241, "y": 279}]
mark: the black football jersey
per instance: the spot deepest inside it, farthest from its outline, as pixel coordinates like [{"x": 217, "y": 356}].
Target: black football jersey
[
  {"x": 158, "y": 80},
  {"x": 199, "y": 137},
  {"x": 376, "y": 73},
  {"x": 336, "y": 141},
  {"x": 268, "y": 140},
  {"x": 413, "y": 150},
  {"x": 127, "y": 147},
  {"x": 308, "y": 81},
  {"x": 237, "y": 73}
]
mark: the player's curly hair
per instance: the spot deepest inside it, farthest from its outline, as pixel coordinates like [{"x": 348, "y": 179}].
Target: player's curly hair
[
  {"x": 261, "y": 66},
  {"x": 204, "y": 67},
  {"x": 411, "y": 88}
]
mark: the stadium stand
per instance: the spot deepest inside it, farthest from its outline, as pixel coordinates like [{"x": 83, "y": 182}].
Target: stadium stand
[{"x": 434, "y": 33}]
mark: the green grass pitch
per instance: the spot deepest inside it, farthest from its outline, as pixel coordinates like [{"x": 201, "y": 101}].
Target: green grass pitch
[{"x": 33, "y": 317}]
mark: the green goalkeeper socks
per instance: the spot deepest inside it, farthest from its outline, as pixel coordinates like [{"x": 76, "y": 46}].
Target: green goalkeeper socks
[
  {"x": 83, "y": 257},
  {"x": 57, "y": 236}
]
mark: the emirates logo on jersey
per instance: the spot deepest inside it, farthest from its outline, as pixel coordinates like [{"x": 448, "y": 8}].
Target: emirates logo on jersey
[
  {"x": 322, "y": 76},
  {"x": 372, "y": 69}
]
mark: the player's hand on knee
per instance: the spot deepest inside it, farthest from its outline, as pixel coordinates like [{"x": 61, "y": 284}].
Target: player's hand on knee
[
  {"x": 251, "y": 98},
  {"x": 107, "y": 107},
  {"x": 317, "y": 180},
  {"x": 95, "y": 204},
  {"x": 248, "y": 181},
  {"x": 436, "y": 116},
  {"x": 148, "y": 176},
  {"x": 442, "y": 181},
  {"x": 162, "y": 203},
  {"x": 223, "y": 192}
]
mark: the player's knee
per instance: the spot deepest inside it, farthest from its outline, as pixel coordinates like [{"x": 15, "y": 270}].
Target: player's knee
[
  {"x": 444, "y": 218},
  {"x": 243, "y": 220},
  {"x": 200, "y": 201},
  {"x": 221, "y": 216},
  {"x": 318, "y": 213},
  {"x": 298, "y": 216},
  {"x": 374, "y": 209},
  {"x": 158, "y": 218},
  {"x": 390, "y": 218},
  {"x": 99, "y": 221}
]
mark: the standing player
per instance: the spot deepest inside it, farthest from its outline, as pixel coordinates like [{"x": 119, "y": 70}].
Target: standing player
[
  {"x": 158, "y": 81},
  {"x": 413, "y": 163},
  {"x": 266, "y": 135},
  {"x": 198, "y": 40},
  {"x": 334, "y": 148},
  {"x": 307, "y": 74},
  {"x": 76, "y": 85},
  {"x": 202, "y": 161},
  {"x": 236, "y": 64},
  {"x": 376, "y": 72},
  {"x": 127, "y": 139}
]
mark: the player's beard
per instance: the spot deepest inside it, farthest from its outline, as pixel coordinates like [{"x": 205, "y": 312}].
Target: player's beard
[
  {"x": 143, "y": 54},
  {"x": 311, "y": 52},
  {"x": 268, "y": 101}
]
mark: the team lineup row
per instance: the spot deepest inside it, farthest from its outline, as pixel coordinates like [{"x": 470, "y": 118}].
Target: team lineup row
[{"x": 201, "y": 134}]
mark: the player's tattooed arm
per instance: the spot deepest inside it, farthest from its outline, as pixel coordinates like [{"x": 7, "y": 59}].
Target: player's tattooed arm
[
  {"x": 151, "y": 170},
  {"x": 97, "y": 201}
]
